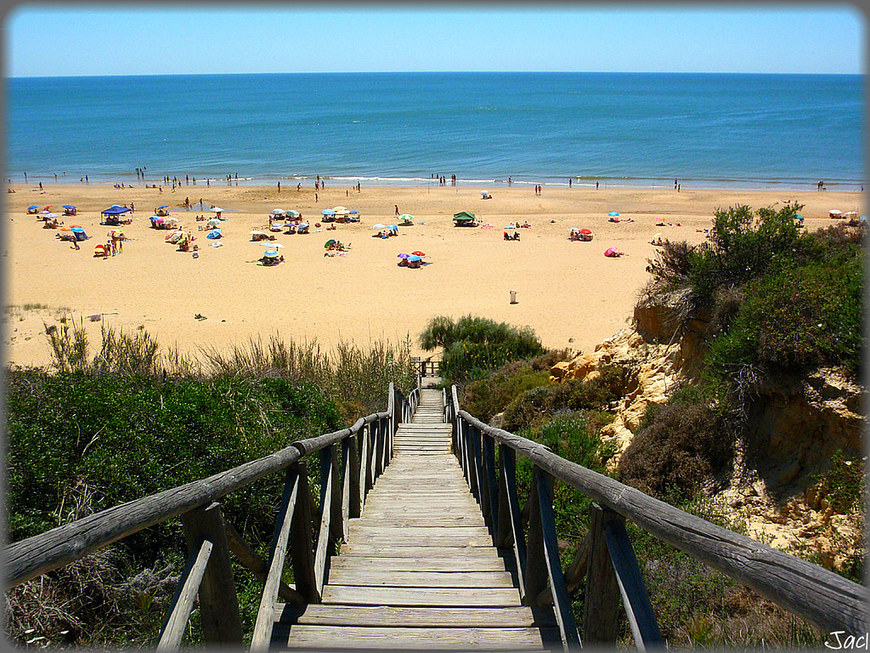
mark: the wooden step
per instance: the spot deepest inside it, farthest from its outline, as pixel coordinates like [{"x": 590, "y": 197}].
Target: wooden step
[
  {"x": 429, "y": 563},
  {"x": 467, "y": 552},
  {"x": 379, "y": 615},
  {"x": 377, "y": 578},
  {"x": 431, "y": 596},
  {"x": 349, "y": 637}
]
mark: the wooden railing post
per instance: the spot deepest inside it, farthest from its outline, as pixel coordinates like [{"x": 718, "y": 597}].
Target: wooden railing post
[
  {"x": 353, "y": 464},
  {"x": 536, "y": 564},
  {"x": 559, "y": 595},
  {"x": 302, "y": 536},
  {"x": 218, "y": 602},
  {"x": 492, "y": 513},
  {"x": 336, "y": 516},
  {"x": 601, "y": 604},
  {"x": 509, "y": 477}
]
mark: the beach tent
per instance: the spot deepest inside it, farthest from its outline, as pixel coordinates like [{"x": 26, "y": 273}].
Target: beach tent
[
  {"x": 834, "y": 213},
  {"x": 69, "y": 209},
  {"x": 115, "y": 210},
  {"x": 464, "y": 219},
  {"x": 214, "y": 233}
]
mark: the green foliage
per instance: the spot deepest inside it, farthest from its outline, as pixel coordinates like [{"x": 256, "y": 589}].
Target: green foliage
[
  {"x": 843, "y": 484},
  {"x": 683, "y": 444},
  {"x": 81, "y": 442},
  {"x": 535, "y": 406},
  {"x": 488, "y": 397},
  {"x": 796, "y": 319},
  {"x": 474, "y": 346}
]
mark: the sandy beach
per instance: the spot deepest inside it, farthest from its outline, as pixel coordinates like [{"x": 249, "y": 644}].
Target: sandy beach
[{"x": 568, "y": 292}]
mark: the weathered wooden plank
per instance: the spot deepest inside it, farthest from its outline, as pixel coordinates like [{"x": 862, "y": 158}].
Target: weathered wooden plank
[
  {"x": 321, "y": 637},
  {"x": 218, "y": 602},
  {"x": 375, "y": 520},
  {"x": 350, "y": 576},
  {"x": 301, "y": 539},
  {"x": 454, "y": 596},
  {"x": 423, "y": 540},
  {"x": 429, "y": 563},
  {"x": 601, "y": 605},
  {"x": 638, "y": 609},
  {"x": 413, "y": 532},
  {"x": 820, "y": 596},
  {"x": 262, "y": 634},
  {"x": 182, "y": 602},
  {"x": 558, "y": 593},
  {"x": 401, "y": 551},
  {"x": 348, "y": 615}
]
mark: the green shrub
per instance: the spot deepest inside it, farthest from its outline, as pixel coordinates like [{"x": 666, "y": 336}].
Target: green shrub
[
  {"x": 488, "y": 397},
  {"x": 475, "y": 346},
  {"x": 683, "y": 444},
  {"x": 796, "y": 319},
  {"x": 532, "y": 408}
]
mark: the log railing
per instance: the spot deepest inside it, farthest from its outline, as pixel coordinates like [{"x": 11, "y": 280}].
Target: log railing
[
  {"x": 606, "y": 557},
  {"x": 350, "y": 461}
]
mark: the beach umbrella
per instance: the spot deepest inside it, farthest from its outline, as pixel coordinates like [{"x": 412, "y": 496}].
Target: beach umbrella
[
  {"x": 585, "y": 231},
  {"x": 613, "y": 213},
  {"x": 353, "y": 212},
  {"x": 165, "y": 206},
  {"x": 403, "y": 255},
  {"x": 214, "y": 233},
  {"x": 418, "y": 253},
  {"x": 327, "y": 212},
  {"x": 392, "y": 227},
  {"x": 271, "y": 253},
  {"x": 274, "y": 245},
  {"x": 278, "y": 211},
  {"x": 171, "y": 220},
  {"x": 414, "y": 257},
  {"x": 51, "y": 215},
  {"x": 32, "y": 206},
  {"x": 302, "y": 225},
  {"x": 610, "y": 251},
  {"x": 216, "y": 209},
  {"x": 78, "y": 229},
  {"x": 406, "y": 217},
  {"x": 510, "y": 226},
  {"x": 329, "y": 242},
  {"x": 294, "y": 214},
  {"x": 68, "y": 206},
  {"x": 379, "y": 226}
]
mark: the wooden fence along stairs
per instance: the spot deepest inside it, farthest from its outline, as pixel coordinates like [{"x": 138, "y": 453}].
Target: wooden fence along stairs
[
  {"x": 419, "y": 569},
  {"x": 420, "y": 539}
]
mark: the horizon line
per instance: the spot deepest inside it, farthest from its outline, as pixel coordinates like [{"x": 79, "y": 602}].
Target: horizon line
[{"x": 438, "y": 72}]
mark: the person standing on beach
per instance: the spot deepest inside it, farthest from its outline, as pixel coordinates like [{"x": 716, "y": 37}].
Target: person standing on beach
[
  {"x": 596, "y": 185},
  {"x": 279, "y": 186},
  {"x": 397, "y": 209}
]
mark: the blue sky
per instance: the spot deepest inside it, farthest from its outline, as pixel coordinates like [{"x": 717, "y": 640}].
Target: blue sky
[{"x": 79, "y": 39}]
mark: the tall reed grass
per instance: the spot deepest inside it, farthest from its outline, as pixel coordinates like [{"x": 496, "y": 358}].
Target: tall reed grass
[{"x": 357, "y": 377}]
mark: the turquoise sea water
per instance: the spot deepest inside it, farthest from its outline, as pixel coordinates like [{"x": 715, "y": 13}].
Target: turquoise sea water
[{"x": 708, "y": 130}]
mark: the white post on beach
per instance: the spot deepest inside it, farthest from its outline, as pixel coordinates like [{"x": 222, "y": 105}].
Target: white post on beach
[{"x": 513, "y": 296}]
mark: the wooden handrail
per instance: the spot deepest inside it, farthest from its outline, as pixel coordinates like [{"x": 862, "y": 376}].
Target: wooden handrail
[
  {"x": 41, "y": 553},
  {"x": 818, "y": 595}
]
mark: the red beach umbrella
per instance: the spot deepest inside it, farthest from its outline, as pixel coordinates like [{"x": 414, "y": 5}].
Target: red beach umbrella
[
  {"x": 418, "y": 253},
  {"x": 585, "y": 231}
]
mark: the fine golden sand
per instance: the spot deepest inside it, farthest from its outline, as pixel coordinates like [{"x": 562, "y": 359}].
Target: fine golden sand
[{"x": 568, "y": 292}]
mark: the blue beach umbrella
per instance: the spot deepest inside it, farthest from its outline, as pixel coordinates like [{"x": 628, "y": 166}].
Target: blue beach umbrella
[
  {"x": 214, "y": 233},
  {"x": 392, "y": 227},
  {"x": 613, "y": 213},
  {"x": 33, "y": 206},
  {"x": 414, "y": 257},
  {"x": 403, "y": 255},
  {"x": 327, "y": 212},
  {"x": 165, "y": 206},
  {"x": 68, "y": 206}
]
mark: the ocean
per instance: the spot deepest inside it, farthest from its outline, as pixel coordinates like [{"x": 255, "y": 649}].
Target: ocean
[{"x": 619, "y": 129}]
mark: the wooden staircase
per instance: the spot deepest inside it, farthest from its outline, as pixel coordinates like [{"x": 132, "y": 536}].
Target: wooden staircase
[{"x": 419, "y": 569}]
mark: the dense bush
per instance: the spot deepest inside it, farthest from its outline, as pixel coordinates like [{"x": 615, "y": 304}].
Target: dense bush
[
  {"x": 81, "y": 442},
  {"x": 795, "y": 319},
  {"x": 535, "y": 406},
  {"x": 683, "y": 445},
  {"x": 475, "y": 346}
]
